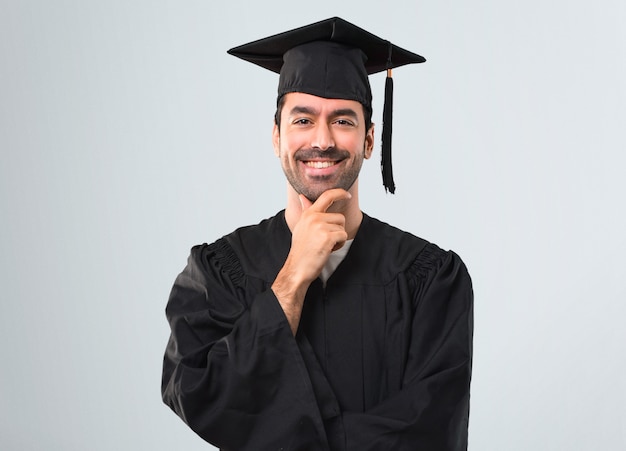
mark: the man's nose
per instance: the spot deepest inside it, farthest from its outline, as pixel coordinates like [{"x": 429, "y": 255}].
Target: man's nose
[{"x": 323, "y": 137}]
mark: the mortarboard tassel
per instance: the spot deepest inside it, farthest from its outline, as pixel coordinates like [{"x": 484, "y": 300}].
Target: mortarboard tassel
[{"x": 385, "y": 164}]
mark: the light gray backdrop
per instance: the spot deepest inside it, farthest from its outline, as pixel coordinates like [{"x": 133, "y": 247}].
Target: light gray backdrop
[{"x": 127, "y": 135}]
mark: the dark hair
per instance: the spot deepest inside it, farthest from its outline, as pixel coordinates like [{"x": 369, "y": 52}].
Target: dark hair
[{"x": 367, "y": 113}]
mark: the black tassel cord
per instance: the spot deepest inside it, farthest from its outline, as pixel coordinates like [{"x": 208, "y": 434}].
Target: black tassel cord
[{"x": 385, "y": 164}]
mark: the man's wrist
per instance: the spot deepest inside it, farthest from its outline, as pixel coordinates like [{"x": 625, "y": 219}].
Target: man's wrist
[{"x": 290, "y": 293}]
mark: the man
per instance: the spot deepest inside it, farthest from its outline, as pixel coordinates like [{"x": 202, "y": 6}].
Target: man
[{"x": 322, "y": 328}]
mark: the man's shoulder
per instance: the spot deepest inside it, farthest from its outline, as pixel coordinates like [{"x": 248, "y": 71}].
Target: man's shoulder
[
  {"x": 401, "y": 251},
  {"x": 256, "y": 249},
  {"x": 265, "y": 233},
  {"x": 380, "y": 234}
]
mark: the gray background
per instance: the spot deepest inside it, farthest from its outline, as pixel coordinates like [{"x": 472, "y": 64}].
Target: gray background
[{"x": 128, "y": 135}]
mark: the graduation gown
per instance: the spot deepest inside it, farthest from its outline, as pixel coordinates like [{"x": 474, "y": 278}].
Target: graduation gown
[{"x": 381, "y": 361}]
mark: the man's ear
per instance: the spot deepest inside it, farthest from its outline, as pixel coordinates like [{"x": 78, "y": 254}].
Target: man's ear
[
  {"x": 369, "y": 142},
  {"x": 276, "y": 139}
]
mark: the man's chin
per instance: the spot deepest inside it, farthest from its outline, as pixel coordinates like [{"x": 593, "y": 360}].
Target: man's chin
[
  {"x": 313, "y": 195},
  {"x": 315, "y": 188},
  {"x": 313, "y": 191}
]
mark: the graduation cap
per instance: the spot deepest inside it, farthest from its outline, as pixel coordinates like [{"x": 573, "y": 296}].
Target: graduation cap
[{"x": 332, "y": 59}]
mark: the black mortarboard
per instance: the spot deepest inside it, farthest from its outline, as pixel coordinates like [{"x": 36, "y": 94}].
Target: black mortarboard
[{"x": 332, "y": 59}]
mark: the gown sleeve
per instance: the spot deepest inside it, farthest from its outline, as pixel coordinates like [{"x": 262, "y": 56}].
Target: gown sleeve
[
  {"x": 232, "y": 369},
  {"x": 430, "y": 412}
]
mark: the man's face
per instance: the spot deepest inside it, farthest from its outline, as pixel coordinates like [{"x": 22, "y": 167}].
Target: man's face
[{"x": 321, "y": 143}]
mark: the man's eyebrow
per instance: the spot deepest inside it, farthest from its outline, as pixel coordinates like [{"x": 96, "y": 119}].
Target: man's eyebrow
[
  {"x": 303, "y": 110},
  {"x": 299, "y": 109},
  {"x": 349, "y": 112}
]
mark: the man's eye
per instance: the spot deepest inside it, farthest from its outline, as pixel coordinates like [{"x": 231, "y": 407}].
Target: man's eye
[
  {"x": 302, "y": 121},
  {"x": 344, "y": 122}
]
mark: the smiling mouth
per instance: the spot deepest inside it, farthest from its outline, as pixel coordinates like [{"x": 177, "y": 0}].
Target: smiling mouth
[{"x": 320, "y": 164}]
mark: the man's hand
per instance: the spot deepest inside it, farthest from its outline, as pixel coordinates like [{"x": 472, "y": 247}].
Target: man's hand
[{"x": 317, "y": 233}]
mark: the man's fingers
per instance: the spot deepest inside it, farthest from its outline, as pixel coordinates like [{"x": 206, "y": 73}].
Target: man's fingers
[
  {"x": 340, "y": 240},
  {"x": 323, "y": 203}
]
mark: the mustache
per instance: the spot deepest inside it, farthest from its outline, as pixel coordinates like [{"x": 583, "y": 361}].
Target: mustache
[{"x": 332, "y": 153}]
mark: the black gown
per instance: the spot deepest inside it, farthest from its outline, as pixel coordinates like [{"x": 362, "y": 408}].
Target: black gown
[{"x": 381, "y": 361}]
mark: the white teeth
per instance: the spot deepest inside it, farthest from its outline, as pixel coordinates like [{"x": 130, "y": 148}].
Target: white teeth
[{"x": 319, "y": 164}]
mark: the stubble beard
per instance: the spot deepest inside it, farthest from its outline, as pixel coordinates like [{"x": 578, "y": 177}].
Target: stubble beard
[{"x": 313, "y": 190}]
